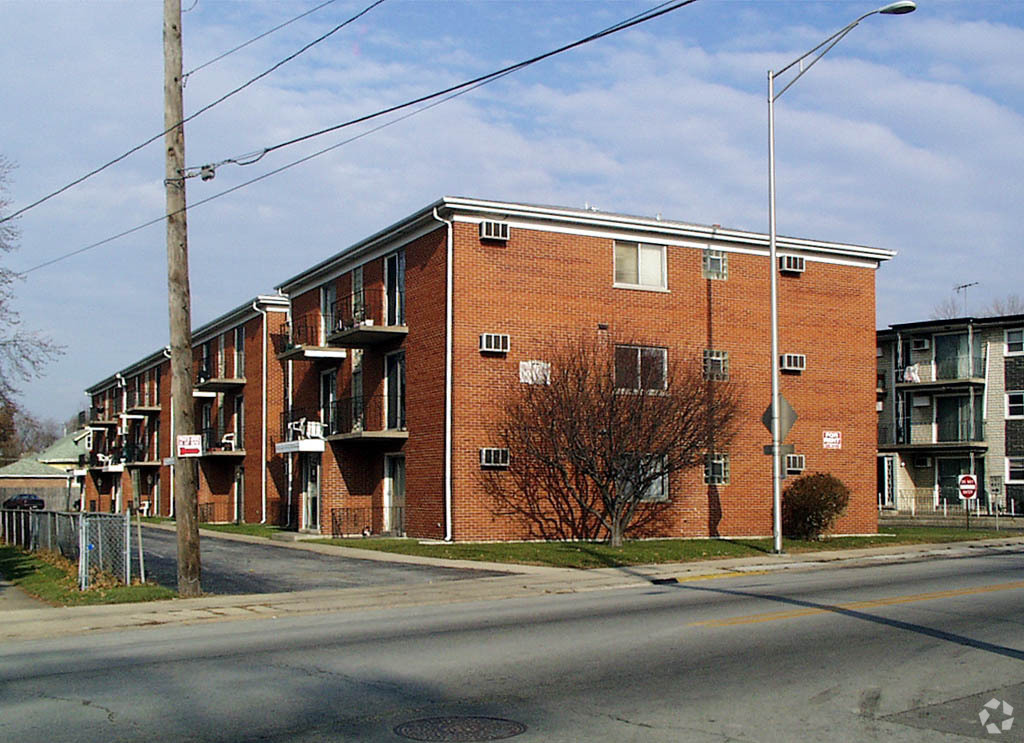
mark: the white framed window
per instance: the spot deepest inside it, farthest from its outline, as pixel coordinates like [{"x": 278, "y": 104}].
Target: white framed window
[
  {"x": 640, "y": 265},
  {"x": 641, "y": 367},
  {"x": 648, "y": 466},
  {"x": 1015, "y": 404},
  {"x": 1015, "y": 469},
  {"x": 494, "y": 458},
  {"x": 1014, "y": 341},
  {"x": 328, "y": 298},
  {"x": 796, "y": 362},
  {"x": 534, "y": 372},
  {"x": 715, "y": 264},
  {"x": 795, "y": 464},
  {"x": 495, "y": 343},
  {"x": 240, "y": 352},
  {"x": 716, "y": 469},
  {"x": 716, "y": 364}
]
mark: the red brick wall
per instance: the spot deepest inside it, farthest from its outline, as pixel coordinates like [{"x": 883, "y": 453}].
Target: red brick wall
[{"x": 540, "y": 282}]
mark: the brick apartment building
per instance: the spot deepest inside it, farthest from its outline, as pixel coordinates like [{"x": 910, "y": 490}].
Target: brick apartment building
[
  {"x": 238, "y": 393},
  {"x": 374, "y": 409},
  {"x": 950, "y": 401},
  {"x": 396, "y": 345}
]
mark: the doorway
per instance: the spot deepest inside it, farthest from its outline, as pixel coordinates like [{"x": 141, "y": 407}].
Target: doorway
[
  {"x": 310, "y": 471},
  {"x": 394, "y": 494}
]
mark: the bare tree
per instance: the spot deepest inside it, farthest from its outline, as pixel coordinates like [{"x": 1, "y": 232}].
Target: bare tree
[
  {"x": 596, "y": 436},
  {"x": 1011, "y": 304},
  {"x": 947, "y": 309},
  {"x": 22, "y": 353}
]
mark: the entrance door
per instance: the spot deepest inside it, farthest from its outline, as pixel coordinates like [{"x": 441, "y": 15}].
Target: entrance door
[
  {"x": 886, "y": 481},
  {"x": 239, "y": 495},
  {"x": 310, "y": 492},
  {"x": 394, "y": 494}
]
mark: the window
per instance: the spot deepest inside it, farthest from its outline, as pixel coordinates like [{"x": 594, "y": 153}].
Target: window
[
  {"x": 534, "y": 372},
  {"x": 716, "y": 364},
  {"x": 640, "y": 367},
  {"x": 328, "y": 298},
  {"x": 649, "y": 469},
  {"x": 716, "y": 469},
  {"x": 640, "y": 264},
  {"x": 1014, "y": 341},
  {"x": 715, "y": 264},
  {"x": 1015, "y": 469},
  {"x": 1015, "y": 404},
  {"x": 240, "y": 352}
]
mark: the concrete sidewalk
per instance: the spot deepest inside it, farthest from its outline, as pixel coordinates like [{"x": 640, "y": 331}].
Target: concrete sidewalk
[{"x": 524, "y": 581}]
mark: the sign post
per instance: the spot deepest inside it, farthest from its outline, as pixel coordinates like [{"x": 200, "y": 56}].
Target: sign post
[{"x": 968, "y": 486}]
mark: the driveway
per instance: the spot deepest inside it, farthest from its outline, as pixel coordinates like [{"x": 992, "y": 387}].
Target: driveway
[{"x": 231, "y": 567}]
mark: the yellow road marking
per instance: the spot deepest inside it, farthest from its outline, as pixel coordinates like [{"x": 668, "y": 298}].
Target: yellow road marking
[
  {"x": 729, "y": 574},
  {"x": 773, "y": 616}
]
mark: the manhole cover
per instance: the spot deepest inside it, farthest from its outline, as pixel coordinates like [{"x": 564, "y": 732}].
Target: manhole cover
[{"x": 460, "y": 729}]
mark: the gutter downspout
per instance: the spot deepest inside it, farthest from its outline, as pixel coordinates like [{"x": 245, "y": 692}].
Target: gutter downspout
[
  {"x": 263, "y": 416},
  {"x": 449, "y": 321}
]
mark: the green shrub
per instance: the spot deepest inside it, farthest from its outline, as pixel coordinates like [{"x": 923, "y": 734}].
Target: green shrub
[{"x": 811, "y": 504}]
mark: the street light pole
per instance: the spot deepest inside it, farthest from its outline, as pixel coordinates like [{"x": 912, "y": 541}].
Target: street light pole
[{"x": 896, "y": 8}]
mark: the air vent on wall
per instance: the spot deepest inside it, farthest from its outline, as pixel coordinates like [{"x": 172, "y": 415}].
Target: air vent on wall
[
  {"x": 793, "y": 362},
  {"x": 494, "y": 458},
  {"x": 494, "y": 343},
  {"x": 791, "y": 263},
  {"x": 490, "y": 230}
]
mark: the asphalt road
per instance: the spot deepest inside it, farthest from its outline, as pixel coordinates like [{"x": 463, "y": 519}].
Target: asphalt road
[
  {"x": 230, "y": 567},
  {"x": 908, "y": 652}
]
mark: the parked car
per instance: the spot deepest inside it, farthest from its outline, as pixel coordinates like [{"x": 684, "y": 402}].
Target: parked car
[{"x": 25, "y": 500}]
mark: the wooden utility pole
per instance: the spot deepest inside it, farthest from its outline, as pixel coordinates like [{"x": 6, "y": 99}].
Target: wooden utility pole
[{"x": 179, "y": 304}]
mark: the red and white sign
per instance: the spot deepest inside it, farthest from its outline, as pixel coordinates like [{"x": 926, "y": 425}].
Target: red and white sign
[
  {"x": 831, "y": 439},
  {"x": 968, "y": 485},
  {"x": 190, "y": 445}
]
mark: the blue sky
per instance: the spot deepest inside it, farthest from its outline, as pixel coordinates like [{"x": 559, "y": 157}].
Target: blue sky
[{"x": 907, "y": 136}]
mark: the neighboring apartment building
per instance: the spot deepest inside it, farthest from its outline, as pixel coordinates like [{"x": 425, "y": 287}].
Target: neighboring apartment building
[
  {"x": 238, "y": 392},
  {"x": 397, "y": 345},
  {"x": 950, "y": 401}
]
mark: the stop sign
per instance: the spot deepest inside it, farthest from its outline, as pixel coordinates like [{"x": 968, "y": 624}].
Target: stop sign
[{"x": 968, "y": 485}]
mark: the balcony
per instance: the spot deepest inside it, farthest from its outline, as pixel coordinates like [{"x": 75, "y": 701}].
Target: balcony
[
  {"x": 368, "y": 418},
  {"x": 945, "y": 372},
  {"x": 368, "y": 318},
  {"x": 221, "y": 443},
  {"x": 301, "y": 341},
  {"x": 951, "y": 436},
  {"x": 103, "y": 416},
  {"x": 108, "y": 461},
  {"x": 214, "y": 380},
  {"x": 137, "y": 455},
  {"x": 141, "y": 404}
]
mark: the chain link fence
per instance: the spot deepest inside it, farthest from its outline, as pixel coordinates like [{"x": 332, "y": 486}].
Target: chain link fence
[{"x": 96, "y": 541}]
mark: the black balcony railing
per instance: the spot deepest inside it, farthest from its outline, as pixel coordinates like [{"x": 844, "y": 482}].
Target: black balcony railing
[
  {"x": 302, "y": 331},
  {"x": 367, "y": 413},
  {"x": 293, "y": 422},
  {"x": 220, "y": 439},
  {"x": 374, "y": 307}
]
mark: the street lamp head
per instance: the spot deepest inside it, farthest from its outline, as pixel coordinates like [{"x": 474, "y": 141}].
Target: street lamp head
[{"x": 899, "y": 8}]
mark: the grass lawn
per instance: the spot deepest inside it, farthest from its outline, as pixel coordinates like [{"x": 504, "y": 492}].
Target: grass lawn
[
  {"x": 596, "y": 555},
  {"x": 54, "y": 579}
]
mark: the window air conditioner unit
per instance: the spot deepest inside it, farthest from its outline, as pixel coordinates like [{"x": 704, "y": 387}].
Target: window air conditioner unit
[
  {"x": 314, "y": 430},
  {"x": 922, "y": 462},
  {"x": 491, "y": 230},
  {"x": 494, "y": 342},
  {"x": 792, "y": 263},
  {"x": 793, "y": 362},
  {"x": 493, "y": 458},
  {"x": 795, "y": 464},
  {"x": 920, "y": 344},
  {"x": 921, "y": 401}
]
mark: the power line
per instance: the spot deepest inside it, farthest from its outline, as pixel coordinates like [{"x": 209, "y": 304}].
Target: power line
[
  {"x": 257, "y": 155},
  {"x": 188, "y": 118},
  {"x": 219, "y": 57},
  {"x": 448, "y": 94}
]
